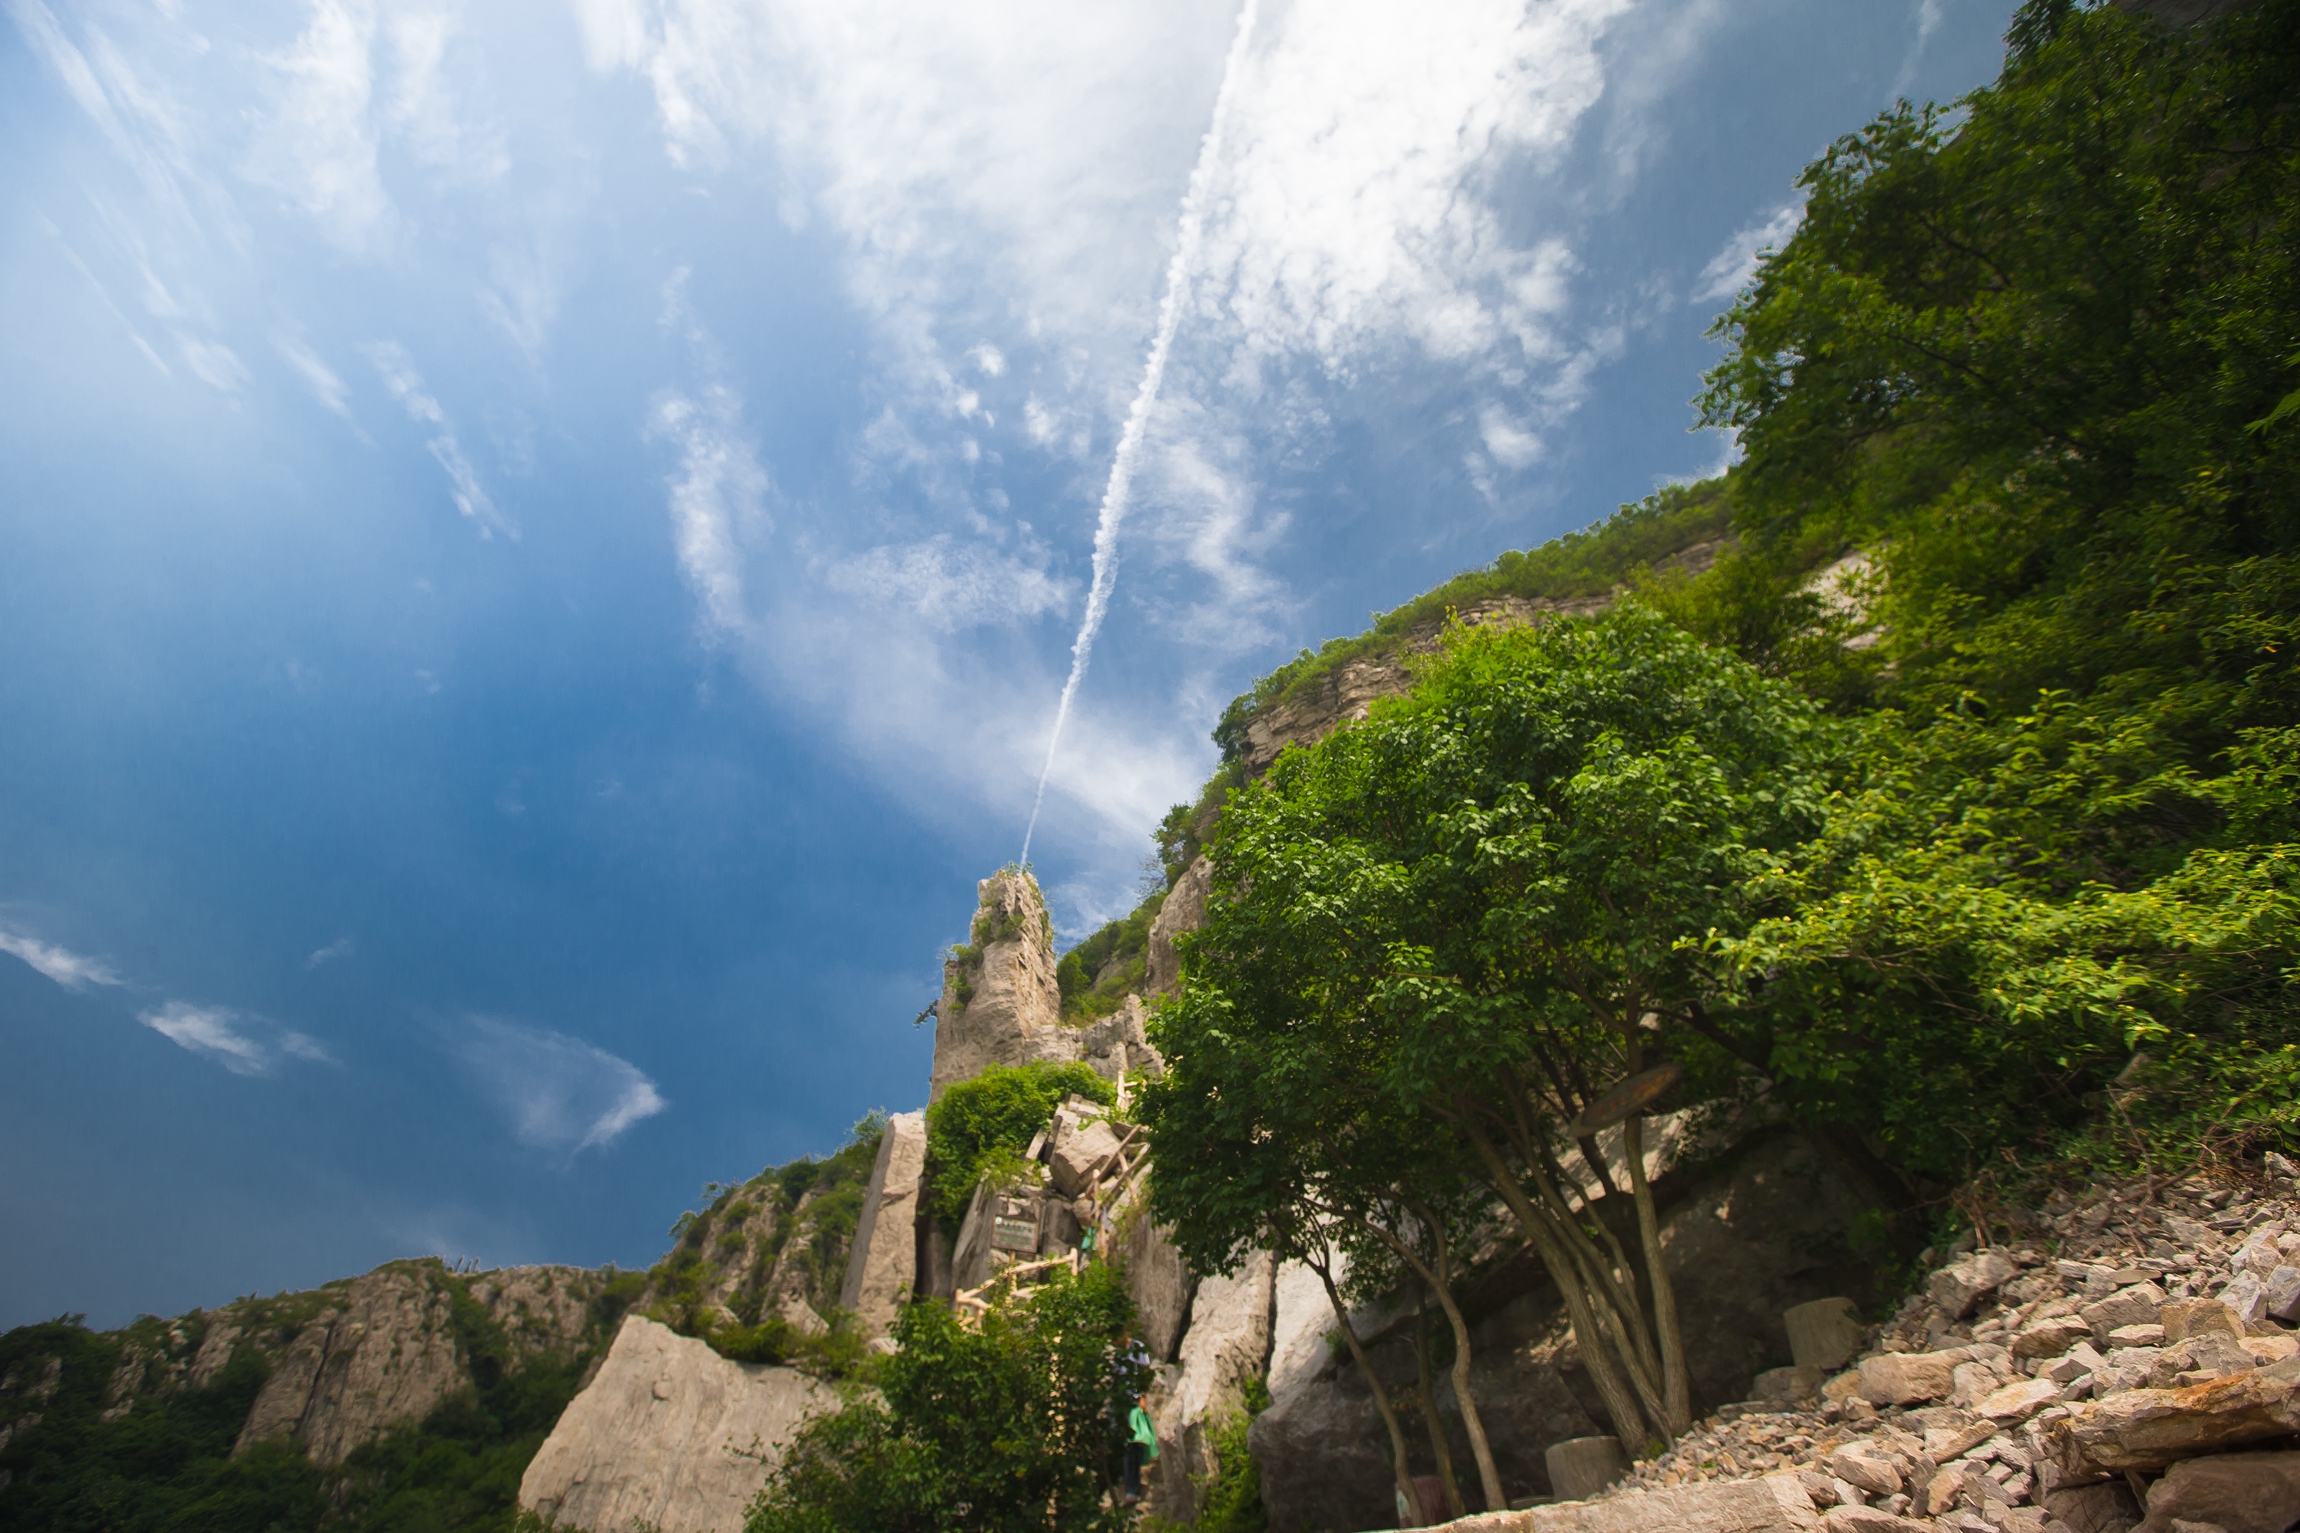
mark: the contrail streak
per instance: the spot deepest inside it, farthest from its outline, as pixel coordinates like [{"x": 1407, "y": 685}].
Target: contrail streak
[{"x": 1116, "y": 493}]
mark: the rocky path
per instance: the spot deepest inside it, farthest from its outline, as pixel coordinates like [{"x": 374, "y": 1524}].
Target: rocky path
[{"x": 2128, "y": 1363}]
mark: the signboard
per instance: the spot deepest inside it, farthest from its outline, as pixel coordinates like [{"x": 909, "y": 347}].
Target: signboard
[
  {"x": 1625, "y": 1099},
  {"x": 1011, "y": 1234}
]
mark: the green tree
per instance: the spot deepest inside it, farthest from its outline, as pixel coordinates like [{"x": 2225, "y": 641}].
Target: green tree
[
  {"x": 1467, "y": 916},
  {"x": 996, "y": 1113},
  {"x": 999, "y": 1426}
]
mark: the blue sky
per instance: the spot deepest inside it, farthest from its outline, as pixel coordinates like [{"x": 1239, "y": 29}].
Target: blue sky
[{"x": 543, "y": 541}]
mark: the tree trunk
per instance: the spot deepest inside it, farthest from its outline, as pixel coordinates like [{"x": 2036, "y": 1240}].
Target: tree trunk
[
  {"x": 1488, "y": 1473},
  {"x": 1677, "y": 1393},
  {"x": 1400, "y": 1466},
  {"x": 1440, "y": 1449},
  {"x": 1596, "y": 1351}
]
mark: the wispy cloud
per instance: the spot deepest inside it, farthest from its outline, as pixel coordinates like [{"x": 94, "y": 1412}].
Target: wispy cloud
[
  {"x": 405, "y": 384},
  {"x": 953, "y": 585},
  {"x": 214, "y": 1032},
  {"x": 242, "y": 1044},
  {"x": 717, "y": 498},
  {"x": 560, "y": 1093},
  {"x": 1731, "y": 268},
  {"x": 341, "y": 947},
  {"x": 316, "y": 144},
  {"x": 74, "y": 971},
  {"x": 325, "y": 384}
]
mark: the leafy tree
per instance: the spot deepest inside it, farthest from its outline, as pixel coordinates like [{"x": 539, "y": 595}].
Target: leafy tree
[
  {"x": 1464, "y": 918},
  {"x": 2030, "y": 354},
  {"x": 1009, "y": 1424}
]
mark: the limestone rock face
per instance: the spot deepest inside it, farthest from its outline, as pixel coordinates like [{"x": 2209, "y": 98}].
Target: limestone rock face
[
  {"x": 670, "y": 1435},
  {"x": 1184, "y": 911},
  {"x": 381, "y": 1350},
  {"x": 1119, "y": 1043},
  {"x": 1157, "y": 1279},
  {"x": 1004, "y": 1007},
  {"x": 883, "y": 1266},
  {"x": 386, "y": 1355},
  {"x": 1227, "y": 1343}
]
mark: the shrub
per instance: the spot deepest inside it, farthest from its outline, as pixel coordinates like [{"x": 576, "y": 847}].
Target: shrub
[{"x": 999, "y": 1109}]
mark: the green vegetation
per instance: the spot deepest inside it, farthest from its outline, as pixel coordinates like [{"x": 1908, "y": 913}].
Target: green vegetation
[
  {"x": 811, "y": 1208},
  {"x": 1230, "y": 1499},
  {"x": 1983, "y": 863},
  {"x": 980, "y": 1125},
  {"x": 1012, "y": 1424},
  {"x": 1098, "y": 974},
  {"x": 167, "y": 1463},
  {"x": 1579, "y": 565}
]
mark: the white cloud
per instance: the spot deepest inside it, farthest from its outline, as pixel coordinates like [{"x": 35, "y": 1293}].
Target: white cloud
[
  {"x": 213, "y": 363},
  {"x": 73, "y": 971},
  {"x": 952, "y": 585},
  {"x": 717, "y": 499},
  {"x": 317, "y": 144},
  {"x": 304, "y": 1046},
  {"x": 1359, "y": 201},
  {"x": 560, "y": 1093},
  {"x": 989, "y": 360},
  {"x": 212, "y": 1031},
  {"x": 405, "y": 384},
  {"x": 1732, "y": 267},
  {"x": 341, "y": 947},
  {"x": 325, "y": 384},
  {"x": 1510, "y": 443}
]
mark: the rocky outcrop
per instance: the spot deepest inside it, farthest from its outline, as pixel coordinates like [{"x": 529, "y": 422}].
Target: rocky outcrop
[
  {"x": 1000, "y": 1004},
  {"x": 669, "y": 1436},
  {"x": 384, "y": 1348},
  {"x": 1226, "y": 1344},
  {"x": 1157, "y": 1279},
  {"x": 883, "y": 1266},
  {"x": 1184, "y": 911}
]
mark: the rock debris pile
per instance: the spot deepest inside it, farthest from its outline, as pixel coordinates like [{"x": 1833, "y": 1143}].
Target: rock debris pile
[{"x": 2128, "y": 1364}]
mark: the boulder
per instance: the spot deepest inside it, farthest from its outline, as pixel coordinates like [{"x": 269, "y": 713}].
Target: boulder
[
  {"x": 2050, "y": 1338},
  {"x": 1084, "y": 1141},
  {"x": 882, "y": 1268},
  {"x": 1869, "y": 1519},
  {"x": 2148, "y": 1429},
  {"x": 1323, "y": 1455},
  {"x": 2246, "y": 1297},
  {"x": 1866, "y": 1467},
  {"x": 1903, "y": 1378},
  {"x": 2284, "y": 1293},
  {"x": 2183, "y": 1318},
  {"x": 2104, "y": 1508},
  {"x": 2241, "y": 1492},
  {"x": 2199, "y": 1359},
  {"x": 1786, "y": 1386},
  {"x": 2258, "y": 1254},
  {"x": 669, "y": 1435},
  {"x": 1960, "y": 1286},
  {"x": 1823, "y": 1334},
  {"x": 1774, "y": 1504},
  {"x": 1580, "y": 1467},
  {"x": 2137, "y": 1305},
  {"x": 2020, "y": 1400}
]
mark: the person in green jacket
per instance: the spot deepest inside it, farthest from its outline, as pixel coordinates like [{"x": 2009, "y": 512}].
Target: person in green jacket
[{"x": 1141, "y": 1436}]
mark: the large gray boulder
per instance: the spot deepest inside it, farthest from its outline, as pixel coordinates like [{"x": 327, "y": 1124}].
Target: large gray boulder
[
  {"x": 1184, "y": 911},
  {"x": 882, "y": 1269},
  {"x": 669, "y": 1435}
]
